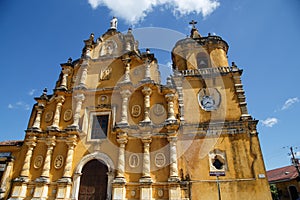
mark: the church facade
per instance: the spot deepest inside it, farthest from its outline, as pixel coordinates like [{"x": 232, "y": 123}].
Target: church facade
[{"x": 112, "y": 130}]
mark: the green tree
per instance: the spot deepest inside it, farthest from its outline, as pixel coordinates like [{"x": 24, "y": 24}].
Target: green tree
[{"x": 274, "y": 192}]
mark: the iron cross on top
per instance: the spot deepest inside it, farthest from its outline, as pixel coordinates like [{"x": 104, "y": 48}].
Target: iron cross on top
[{"x": 193, "y": 22}]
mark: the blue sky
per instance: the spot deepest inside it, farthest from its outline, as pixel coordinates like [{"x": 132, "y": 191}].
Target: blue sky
[{"x": 36, "y": 36}]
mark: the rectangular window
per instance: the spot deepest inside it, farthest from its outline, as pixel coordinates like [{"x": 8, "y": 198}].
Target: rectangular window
[{"x": 99, "y": 127}]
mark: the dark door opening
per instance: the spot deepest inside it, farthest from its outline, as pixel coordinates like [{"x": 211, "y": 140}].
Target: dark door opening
[
  {"x": 93, "y": 182},
  {"x": 293, "y": 192}
]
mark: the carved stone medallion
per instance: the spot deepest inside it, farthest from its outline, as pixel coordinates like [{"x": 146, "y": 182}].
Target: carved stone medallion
[
  {"x": 38, "y": 162},
  {"x": 68, "y": 114},
  {"x": 134, "y": 160},
  {"x": 48, "y": 116},
  {"x": 160, "y": 192},
  {"x": 103, "y": 99},
  {"x": 160, "y": 160},
  {"x": 158, "y": 109},
  {"x": 136, "y": 110},
  {"x": 58, "y": 162},
  {"x": 133, "y": 193}
]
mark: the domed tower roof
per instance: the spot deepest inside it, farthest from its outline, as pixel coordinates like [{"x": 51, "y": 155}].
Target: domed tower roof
[{"x": 196, "y": 51}]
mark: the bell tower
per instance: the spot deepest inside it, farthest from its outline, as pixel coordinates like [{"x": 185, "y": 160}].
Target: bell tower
[{"x": 220, "y": 137}]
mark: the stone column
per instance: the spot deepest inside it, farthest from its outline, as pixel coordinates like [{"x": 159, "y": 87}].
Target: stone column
[
  {"x": 124, "y": 117},
  {"x": 6, "y": 178},
  {"x": 174, "y": 187},
  {"x": 37, "y": 122},
  {"x": 42, "y": 186},
  {"x": 178, "y": 82},
  {"x": 119, "y": 191},
  {"x": 63, "y": 84},
  {"x": 19, "y": 190},
  {"x": 50, "y": 142},
  {"x": 71, "y": 143},
  {"x": 84, "y": 67},
  {"x": 147, "y": 70},
  {"x": 171, "y": 114},
  {"x": 173, "y": 159},
  {"x": 30, "y": 143},
  {"x": 79, "y": 98},
  {"x": 122, "y": 140},
  {"x": 59, "y": 101},
  {"x": 147, "y": 93},
  {"x": 146, "y": 181},
  {"x": 146, "y": 157},
  {"x": 126, "y": 61},
  {"x": 75, "y": 188},
  {"x": 65, "y": 183}
]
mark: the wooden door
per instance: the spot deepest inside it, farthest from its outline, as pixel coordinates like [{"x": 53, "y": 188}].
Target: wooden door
[{"x": 93, "y": 182}]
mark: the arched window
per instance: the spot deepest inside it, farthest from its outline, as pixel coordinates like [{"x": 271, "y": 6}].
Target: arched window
[
  {"x": 293, "y": 192},
  {"x": 203, "y": 60}
]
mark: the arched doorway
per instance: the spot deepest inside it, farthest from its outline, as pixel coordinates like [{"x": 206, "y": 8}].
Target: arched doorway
[
  {"x": 93, "y": 183},
  {"x": 293, "y": 193}
]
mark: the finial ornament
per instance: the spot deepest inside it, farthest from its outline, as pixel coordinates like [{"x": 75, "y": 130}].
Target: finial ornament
[
  {"x": 194, "y": 32},
  {"x": 44, "y": 94},
  {"x": 113, "y": 23},
  {"x": 45, "y": 91},
  {"x": 193, "y": 23}
]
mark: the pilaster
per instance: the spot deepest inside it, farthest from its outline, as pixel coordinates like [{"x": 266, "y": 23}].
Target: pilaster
[
  {"x": 37, "y": 122},
  {"x": 147, "y": 91},
  {"x": 173, "y": 158},
  {"x": 146, "y": 181},
  {"x": 20, "y": 186},
  {"x": 147, "y": 70},
  {"x": 79, "y": 98},
  {"x": 6, "y": 178},
  {"x": 65, "y": 183},
  {"x": 42, "y": 183},
  {"x": 126, "y": 62},
  {"x": 56, "y": 119},
  {"x": 84, "y": 71},
  {"x": 66, "y": 71},
  {"x": 119, "y": 190},
  {"x": 124, "y": 112},
  {"x": 171, "y": 114}
]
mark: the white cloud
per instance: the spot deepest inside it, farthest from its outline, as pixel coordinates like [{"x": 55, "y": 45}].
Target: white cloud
[
  {"x": 19, "y": 105},
  {"x": 270, "y": 121},
  {"x": 288, "y": 103},
  {"x": 133, "y": 11},
  {"x": 31, "y": 92}
]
